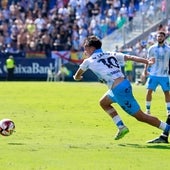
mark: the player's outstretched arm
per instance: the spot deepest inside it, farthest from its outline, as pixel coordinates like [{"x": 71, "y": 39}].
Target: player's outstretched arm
[{"x": 149, "y": 61}]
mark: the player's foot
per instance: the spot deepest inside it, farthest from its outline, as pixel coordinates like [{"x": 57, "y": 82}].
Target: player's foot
[
  {"x": 121, "y": 133},
  {"x": 159, "y": 140}
]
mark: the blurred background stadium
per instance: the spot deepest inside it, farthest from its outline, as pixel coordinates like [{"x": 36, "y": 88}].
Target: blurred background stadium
[{"x": 42, "y": 35}]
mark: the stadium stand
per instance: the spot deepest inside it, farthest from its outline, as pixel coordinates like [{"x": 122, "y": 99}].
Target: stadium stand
[
  {"x": 40, "y": 29},
  {"x": 27, "y": 25}
]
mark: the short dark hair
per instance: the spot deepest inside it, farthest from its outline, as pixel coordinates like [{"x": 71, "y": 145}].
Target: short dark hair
[
  {"x": 93, "y": 41},
  {"x": 162, "y": 32}
]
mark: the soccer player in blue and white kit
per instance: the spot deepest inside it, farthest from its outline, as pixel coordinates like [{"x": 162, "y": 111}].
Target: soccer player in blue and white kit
[
  {"x": 159, "y": 75},
  {"x": 106, "y": 67}
]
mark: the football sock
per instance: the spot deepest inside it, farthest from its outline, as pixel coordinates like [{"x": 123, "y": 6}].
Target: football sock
[
  {"x": 165, "y": 133},
  {"x": 148, "y": 105},
  {"x": 165, "y": 127},
  {"x": 117, "y": 120},
  {"x": 168, "y": 107}
]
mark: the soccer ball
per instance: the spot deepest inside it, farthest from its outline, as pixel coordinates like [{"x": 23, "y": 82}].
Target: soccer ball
[{"x": 7, "y": 127}]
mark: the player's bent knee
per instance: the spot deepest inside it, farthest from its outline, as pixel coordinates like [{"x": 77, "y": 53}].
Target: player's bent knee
[{"x": 102, "y": 103}]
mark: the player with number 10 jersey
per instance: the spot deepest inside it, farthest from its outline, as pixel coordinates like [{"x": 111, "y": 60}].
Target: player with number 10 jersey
[{"x": 105, "y": 66}]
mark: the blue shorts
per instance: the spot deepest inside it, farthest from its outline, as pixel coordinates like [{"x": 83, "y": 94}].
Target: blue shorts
[
  {"x": 122, "y": 94},
  {"x": 153, "y": 82}
]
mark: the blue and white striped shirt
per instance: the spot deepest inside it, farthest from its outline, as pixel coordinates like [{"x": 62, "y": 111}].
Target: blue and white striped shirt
[{"x": 162, "y": 56}]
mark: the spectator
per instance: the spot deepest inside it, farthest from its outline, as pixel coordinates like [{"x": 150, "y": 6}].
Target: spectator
[
  {"x": 117, "y": 5},
  {"x": 120, "y": 21},
  {"x": 131, "y": 14},
  {"x": 123, "y": 10},
  {"x": 70, "y": 19},
  {"x": 40, "y": 22},
  {"x": 89, "y": 7},
  {"x": 104, "y": 28},
  {"x": 111, "y": 15},
  {"x": 143, "y": 7},
  {"x": 111, "y": 27},
  {"x": 46, "y": 42},
  {"x": 31, "y": 27},
  {"x": 75, "y": 38},
  {"x": 96, "y": 10},
  {"x": 150, "y": 15},
  {"x": 163, "y": 8},
  {"x": 22, "y": 41},
  {"x": 109, "y": 3}
]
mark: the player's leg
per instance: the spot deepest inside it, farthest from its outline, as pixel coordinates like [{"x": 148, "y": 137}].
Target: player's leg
[
  {"x": 105, "y": 103},
  {"x": 151, "y": 86},
  {"x": 163, "y": 138},
  {"x": 151, "y": 120},
  {"x": 167, "y": 100},
  {"x": 124, "y": 97},
  {"x": 148, "y": 101},
  {"x": 165, "y": 135}
]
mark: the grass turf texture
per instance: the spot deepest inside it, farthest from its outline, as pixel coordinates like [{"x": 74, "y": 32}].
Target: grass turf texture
[{"x": 60, "y": 126}]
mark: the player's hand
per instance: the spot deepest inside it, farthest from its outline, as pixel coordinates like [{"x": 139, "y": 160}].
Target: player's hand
[
  {"x": 145, "y": 73},
  {"x": 151, "y": 61},
  {"x": 77, "y": 78},
  {"x": 143, "y": 77}
]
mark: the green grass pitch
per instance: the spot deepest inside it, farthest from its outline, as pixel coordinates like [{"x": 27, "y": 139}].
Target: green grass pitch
[{"x": 60, "y": 126}]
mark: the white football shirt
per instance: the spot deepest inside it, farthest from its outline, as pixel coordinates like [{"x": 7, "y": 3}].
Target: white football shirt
[{"x": 105, "y": 65}]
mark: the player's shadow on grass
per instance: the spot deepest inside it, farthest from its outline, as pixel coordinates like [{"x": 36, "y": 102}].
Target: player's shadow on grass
[
  {"x": 16, "y": 144},
  {"x": 152, "y": 146}
]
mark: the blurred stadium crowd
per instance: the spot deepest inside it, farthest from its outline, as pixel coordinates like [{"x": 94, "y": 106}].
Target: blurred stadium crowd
[{"x": 46, "y": 25}]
